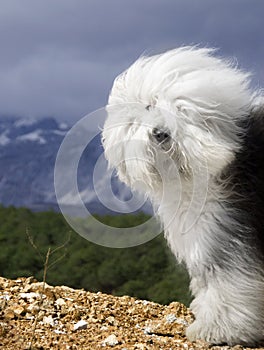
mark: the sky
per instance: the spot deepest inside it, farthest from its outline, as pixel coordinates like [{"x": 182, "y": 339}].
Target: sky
[{"x": 59, "y": 57}]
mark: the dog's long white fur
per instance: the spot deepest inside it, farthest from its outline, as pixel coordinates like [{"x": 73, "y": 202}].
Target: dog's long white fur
[{"x": 203, "y": 103}]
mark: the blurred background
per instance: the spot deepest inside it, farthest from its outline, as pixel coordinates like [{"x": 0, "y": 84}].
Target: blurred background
[{"x": 58, "y": 60}]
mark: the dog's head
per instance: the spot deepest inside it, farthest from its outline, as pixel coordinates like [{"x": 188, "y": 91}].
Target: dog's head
[{"x": 172, "y": 114}]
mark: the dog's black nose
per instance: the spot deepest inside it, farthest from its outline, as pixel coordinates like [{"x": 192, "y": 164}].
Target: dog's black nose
[{"x": 160, "y": 136}]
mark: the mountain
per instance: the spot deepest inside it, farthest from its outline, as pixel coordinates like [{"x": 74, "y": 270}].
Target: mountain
[{"x": 28, "y": 150}]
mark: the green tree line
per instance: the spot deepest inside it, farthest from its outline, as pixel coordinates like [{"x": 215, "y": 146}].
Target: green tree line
[{"x": 148, "y": 271}]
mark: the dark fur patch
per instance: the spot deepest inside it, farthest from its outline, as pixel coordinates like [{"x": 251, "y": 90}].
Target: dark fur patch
[{"x": 246, "y": 184}]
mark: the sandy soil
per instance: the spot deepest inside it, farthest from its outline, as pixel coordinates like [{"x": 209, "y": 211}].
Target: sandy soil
[{"x": 34, "y": 315}]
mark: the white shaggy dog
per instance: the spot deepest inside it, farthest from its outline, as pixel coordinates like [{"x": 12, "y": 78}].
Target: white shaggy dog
[{"x": 182, "y": 127}]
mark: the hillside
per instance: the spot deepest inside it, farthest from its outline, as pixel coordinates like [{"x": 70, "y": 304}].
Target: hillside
[
  {"x": 41, "y": 317},
  {"x": 148, "y": 271}
]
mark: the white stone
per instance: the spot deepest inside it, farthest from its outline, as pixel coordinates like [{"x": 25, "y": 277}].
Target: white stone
[
  {"x": 111, "y": 340},
  {"x": 58, "y": 331},
  {"x": 5, "y": 296},
  {"x": 171, "y": 318},
  {"x": 60, "y": 302},
  {"x": 48, "y": 320},
  {"x": 30, "y": 296},
  {"x": 82, "y": 324},
  {"x": 33, "y": 308},
  {"x": 148, "y": 330}
]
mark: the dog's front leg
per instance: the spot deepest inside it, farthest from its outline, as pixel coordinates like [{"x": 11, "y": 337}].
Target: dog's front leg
[{"x": 227, "y": 310}]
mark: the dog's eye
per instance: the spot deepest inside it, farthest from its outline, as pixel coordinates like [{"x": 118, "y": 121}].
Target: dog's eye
[
  {"x": 148, "y": 107},
  {"x": 160, "y": 135}
]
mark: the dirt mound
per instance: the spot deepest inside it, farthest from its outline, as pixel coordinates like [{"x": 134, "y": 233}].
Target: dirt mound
[{"x": 34, "y": 315}]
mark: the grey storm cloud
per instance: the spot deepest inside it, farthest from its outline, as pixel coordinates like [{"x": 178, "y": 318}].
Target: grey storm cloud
[{"x": 59, "y": 58}]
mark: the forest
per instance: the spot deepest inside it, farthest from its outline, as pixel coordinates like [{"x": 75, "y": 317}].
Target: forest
[{"x": 148, "y": 271}]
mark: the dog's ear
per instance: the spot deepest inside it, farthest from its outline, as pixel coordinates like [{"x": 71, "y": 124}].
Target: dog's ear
[{"x": 202, "y": 149}]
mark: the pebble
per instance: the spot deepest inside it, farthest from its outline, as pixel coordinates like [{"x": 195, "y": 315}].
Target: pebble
[
  {"x": 48, "y": 320},
  {"x": 82, "y": 324},
  {"x": 57, "y": 331},
  {"x": 111, "y": 340},
  {"x": 31, "y": 296},
  {"x": 148, "y": 330},
  {"x": 171, "y": 318},
  {"x": 60, "y": 302},
  {"x": 5, "y": 296},
  {"x": 18, "y": 310},
  {"x": 33, "y": 308},
  {"x": 9, "y": 314}
]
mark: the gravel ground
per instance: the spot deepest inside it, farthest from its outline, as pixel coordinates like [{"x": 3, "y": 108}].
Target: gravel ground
[{"x": 37, "y": 316}]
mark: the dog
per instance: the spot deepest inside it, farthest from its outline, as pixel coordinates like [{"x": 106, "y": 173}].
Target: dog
[{"x": 186, "y": 129}]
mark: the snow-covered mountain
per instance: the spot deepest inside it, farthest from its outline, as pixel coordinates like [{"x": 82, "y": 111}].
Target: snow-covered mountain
[{"x": 28, "y": 150}]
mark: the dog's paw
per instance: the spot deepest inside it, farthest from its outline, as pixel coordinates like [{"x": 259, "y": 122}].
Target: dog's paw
[
  {"x": 201, "y": 331},
  {"x": 220, "y": 335},
  {"x": 194, "y": 332}
]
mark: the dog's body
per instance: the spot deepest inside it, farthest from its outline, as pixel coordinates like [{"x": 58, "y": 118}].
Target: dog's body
[{"x": 183, "y": 129}]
